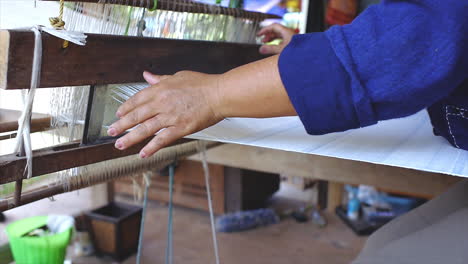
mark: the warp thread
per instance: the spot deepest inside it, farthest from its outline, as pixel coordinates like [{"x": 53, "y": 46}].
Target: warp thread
[
  {"x": 147, "y": 180},
  {"x": 212, "y": 23},
  {"x": 169, "y": 248}
]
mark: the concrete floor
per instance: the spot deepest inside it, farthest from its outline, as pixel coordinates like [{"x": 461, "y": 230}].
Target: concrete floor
[{"x": 286, "y": 242}]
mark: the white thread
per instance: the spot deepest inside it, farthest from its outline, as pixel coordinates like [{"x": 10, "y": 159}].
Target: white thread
[
  {"x": 202, "y": 149},
  {"x": 449, "y": 126},
  {"x": 77, "y": 38},
  {"x": 137, "y": 190},
  {"x": 460, "y": 115},
  {"x": 458, "y": 108},
  {"x": 23, "y": 138}
]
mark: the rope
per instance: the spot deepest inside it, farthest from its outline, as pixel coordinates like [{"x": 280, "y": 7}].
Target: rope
[
  {"x": 202, "y": 148},
  {"x": 58, "y": 23},
  {"x": 24, "y": 123},
  {"x": 169, "y": 251},
  {"x": 146, "y": 176}
]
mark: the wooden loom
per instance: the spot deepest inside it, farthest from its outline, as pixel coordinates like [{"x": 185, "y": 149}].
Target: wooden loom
[{"x": 75, "y": 65}]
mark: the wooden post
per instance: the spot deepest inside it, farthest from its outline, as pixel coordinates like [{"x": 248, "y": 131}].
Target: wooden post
[
  {"x": 335, "y": 195},
  {"x": 110, "y": 191}
]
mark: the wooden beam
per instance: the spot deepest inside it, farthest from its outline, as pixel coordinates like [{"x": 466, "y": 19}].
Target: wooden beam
[
  {"x": 108, "y": 59},
  {"x": 9, "y": 120},
  {"x": 425, "y": 184},
  {"x": 63, "y": 157}
]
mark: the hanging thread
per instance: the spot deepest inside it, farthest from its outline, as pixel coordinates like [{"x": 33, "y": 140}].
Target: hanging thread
[
  {"x": 146, "y": 177},
  {"x": 24, "y": 123},
  {"x": 169, "y": 251},
  {"x": 206, "y": 171}
]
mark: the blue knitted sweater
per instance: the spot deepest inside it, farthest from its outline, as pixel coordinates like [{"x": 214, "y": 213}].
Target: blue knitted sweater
[{"x": 395, "y": 59}]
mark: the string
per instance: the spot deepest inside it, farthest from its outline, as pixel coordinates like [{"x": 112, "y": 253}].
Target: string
[
  {"x": 169, "y": 251},
  {"x": 24, "y": 122},
  {"x": 202, "y": 148},
  {"x": 58, "y": 23},
  {"x": 146, "y": 177}
]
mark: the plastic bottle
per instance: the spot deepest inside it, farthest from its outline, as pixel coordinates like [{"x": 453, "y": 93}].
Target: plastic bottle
[{"x": 353, "y": 204}]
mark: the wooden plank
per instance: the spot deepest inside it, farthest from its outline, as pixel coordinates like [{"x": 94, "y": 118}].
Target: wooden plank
[
  {"x": 32, "y": 196},
  {"x": 9, "y": 121},
  {"x": 331, "y": 169},
  {"x": 108, "y": 59},
  {"x": 63, "y": 157},
  {"x": 335, "y": 196}
]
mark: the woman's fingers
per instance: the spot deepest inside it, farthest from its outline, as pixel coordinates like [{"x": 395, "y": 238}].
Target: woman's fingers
[
  {"x": 161, "y": 140},
  {"x": 273, "y": 28},
  {"x": 153, "y": 79},
  {"x": 141, "y": 132},
  {"x": 271, "y": 49},
  {"x": 133, "y": 118},
  {"x": 140, "y": 98},
  {"x": 272, "y": 32},
  {"x": 270, "y": 37}
]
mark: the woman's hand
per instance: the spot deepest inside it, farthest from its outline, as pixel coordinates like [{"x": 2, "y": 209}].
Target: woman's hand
[
  {"x": 272, "y": 32},
  {"x": 175, "y": 105}
]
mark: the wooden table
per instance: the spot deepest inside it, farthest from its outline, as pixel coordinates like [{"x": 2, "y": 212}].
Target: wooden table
[{"x": 336, "y": 171}]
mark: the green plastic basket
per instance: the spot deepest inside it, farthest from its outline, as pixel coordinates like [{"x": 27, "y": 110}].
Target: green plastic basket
[{"x": 38, "y": 250}]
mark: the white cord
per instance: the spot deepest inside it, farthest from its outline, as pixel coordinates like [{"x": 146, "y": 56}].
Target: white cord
[
  {"x": 23, "y": 138},
  {"x": 202, "y": 148}
]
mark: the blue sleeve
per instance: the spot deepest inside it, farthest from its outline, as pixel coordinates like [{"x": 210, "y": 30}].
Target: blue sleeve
[{"x": 395, "y": 59}]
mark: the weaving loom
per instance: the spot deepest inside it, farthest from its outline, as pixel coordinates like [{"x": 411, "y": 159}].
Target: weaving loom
[{"x": 124, "y": 38}]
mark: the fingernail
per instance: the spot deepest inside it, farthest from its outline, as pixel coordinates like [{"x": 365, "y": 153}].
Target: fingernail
[
  {"x": 118, "y": 114},
  {"x": 118, "y": 144},
  {"x": 143, "y": 154},
  {"x": 112, "y": 132}
]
